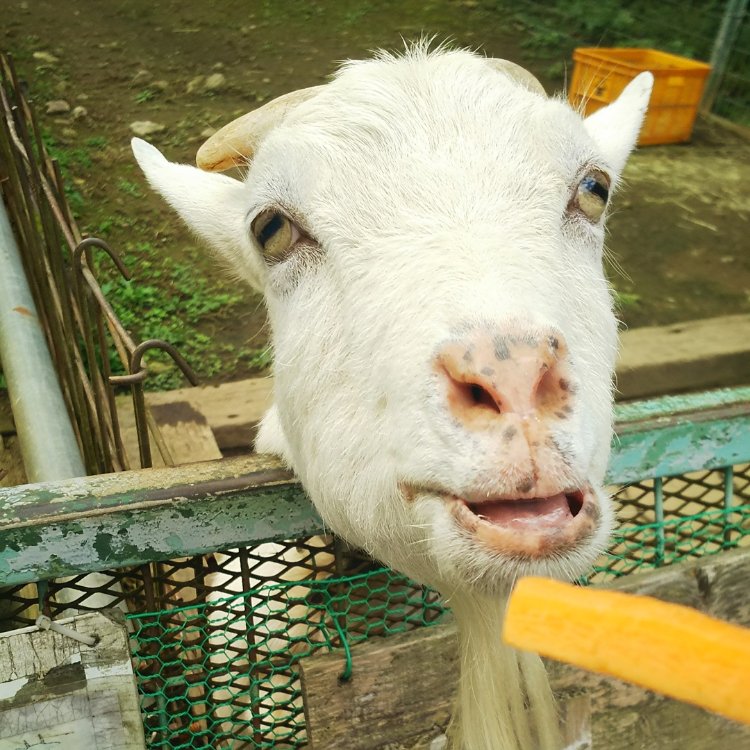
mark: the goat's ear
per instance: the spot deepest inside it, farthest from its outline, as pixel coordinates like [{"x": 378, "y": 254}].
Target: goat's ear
[
  {"x": 212, "y": 205},
  {"x": 615, "y": 127}
]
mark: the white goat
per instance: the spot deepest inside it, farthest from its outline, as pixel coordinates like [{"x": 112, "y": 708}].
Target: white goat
[{"x": 427, "y": 230}]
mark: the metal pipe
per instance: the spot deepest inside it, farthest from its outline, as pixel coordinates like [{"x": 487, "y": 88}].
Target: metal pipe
[
  {"x": 45, "y": 434},
  {"x": 731, "y": 22}
]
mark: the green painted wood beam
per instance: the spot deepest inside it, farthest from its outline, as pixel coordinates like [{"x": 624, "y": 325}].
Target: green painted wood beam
[
  {"x": 676, "y": 434},
  {"x": 633, "y": 413},
  {"x": 50, "y": 530},
  {"x": 94, "y": 523}
]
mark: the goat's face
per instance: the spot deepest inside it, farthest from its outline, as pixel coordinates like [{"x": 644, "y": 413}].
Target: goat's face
[{"x": 428, "y": 236}]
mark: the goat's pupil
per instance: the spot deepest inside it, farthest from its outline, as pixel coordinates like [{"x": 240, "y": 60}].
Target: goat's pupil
[
  {"x": 273, "y": 225},
  {"x": 594, "y": 186}
]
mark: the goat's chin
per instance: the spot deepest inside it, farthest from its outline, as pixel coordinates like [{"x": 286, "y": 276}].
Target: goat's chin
[{"x": 488, "y": 546}]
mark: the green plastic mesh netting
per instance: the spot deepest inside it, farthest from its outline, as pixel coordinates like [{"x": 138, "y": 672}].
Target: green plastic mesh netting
[{"x": 224, "y": 673}]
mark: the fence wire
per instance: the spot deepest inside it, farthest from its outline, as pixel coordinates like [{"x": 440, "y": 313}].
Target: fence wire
[{"x": 86, "y": 339}]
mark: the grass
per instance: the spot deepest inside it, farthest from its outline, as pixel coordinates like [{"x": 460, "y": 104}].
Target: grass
[
  {"x": 170, "y": 301},
  {"x": 167, "y": 300},
  {"x": 145, "y": 95},
  {"x": 130, "y": 188},
  {"x": 624, "y": 300}
]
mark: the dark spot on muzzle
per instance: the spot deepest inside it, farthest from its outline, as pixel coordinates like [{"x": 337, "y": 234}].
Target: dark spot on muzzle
[
  {"x": 525, "y": 485},
  {"x": 500, "y": 344}
]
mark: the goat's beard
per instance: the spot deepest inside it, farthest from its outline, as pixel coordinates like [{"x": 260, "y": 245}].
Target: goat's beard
[{"x": 504, "y": 697}]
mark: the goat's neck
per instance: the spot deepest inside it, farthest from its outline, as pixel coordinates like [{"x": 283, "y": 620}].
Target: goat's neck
[{"x": 504, "y": 698}]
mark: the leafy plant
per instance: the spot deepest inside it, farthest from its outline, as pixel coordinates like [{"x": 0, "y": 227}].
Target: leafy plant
[
  {"x": 145, "y": 95},
  {"x": 169, "y": 302},
  {"x": 556, "y": 27},
  {"x": 626, "y": 299},
  {"x": 129, "y": 187}
]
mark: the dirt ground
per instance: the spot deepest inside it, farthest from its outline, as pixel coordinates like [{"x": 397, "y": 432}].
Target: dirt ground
[{"x": 678, "y": 236}]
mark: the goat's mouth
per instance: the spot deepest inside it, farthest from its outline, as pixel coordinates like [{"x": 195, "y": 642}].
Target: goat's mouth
[{"x": 530, "y": 528}]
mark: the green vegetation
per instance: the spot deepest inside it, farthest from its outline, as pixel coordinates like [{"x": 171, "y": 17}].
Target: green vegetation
[
  {"x": 170, "y": 301},
  {"x": 626, "y": 299},
  {"x": 146, "y": 95},
  {"x": 558, "y": 26},
  {"x": 129, "y": 187},
  {"x": 167, "y": 299},
  {"x": 554, "y": 28}
]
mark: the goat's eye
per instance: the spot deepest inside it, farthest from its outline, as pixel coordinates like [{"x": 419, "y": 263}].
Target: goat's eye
[
  {"x": 592, "y": 194},
  {"x": 275, "y": 233}
]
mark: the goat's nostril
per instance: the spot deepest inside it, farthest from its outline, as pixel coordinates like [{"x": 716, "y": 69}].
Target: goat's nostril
[
  {"x": 547, "y": 388},
  {"x": 480, "y": 396},
  {"x": 469, "y": 396},
  {"x": 529, "y": 379}
]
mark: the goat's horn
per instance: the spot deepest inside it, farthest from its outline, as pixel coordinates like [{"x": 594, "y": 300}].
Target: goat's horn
[
  {"x": 517, "y": 73},
  {"x": 236, "y": 142}
]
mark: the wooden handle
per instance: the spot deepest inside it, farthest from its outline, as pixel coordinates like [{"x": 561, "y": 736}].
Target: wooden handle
[{"x": 664, "y": 647}]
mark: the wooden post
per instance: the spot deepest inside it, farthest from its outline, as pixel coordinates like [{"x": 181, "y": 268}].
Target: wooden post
[{"x": 57, "y": 691}]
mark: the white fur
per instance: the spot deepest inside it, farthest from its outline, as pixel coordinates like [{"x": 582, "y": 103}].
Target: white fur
[{"x": 437, "y": 189}]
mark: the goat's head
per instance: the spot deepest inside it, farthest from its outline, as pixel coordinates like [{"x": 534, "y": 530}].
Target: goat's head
[{"x": 427, "y": 231}]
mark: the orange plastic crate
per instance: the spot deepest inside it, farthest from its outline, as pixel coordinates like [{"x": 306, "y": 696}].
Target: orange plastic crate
[{"x": 600, "y": 75}]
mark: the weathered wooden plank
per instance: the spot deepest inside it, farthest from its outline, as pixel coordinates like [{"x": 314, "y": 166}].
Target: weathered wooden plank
[
  {"x": 232, "y": 410},
  {"x": 80, "y": 525},
  {"x": 186, "y": 433},
  {"x": 634, "y": 414},
  {"x": 183, "y": 429},
  {"x": 397, "y": 679},
  {"x": 397, "y": 697},
  {"x": 681, "y": 445},
  {"x": 129, "y": 435},
  {"x": 693, "y": 355},
  {"x": 676, "y": 434},
  {"x": 57, "y": 691}
]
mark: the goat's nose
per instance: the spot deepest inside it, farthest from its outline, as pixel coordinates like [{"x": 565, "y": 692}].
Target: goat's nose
[{"x": 492, "y": 374}]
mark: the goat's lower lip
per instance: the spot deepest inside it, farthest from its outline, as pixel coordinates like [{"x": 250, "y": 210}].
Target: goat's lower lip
[{"x": 532, "y": 528}]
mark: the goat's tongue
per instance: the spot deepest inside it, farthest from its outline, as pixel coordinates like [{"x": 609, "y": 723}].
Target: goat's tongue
[{"x": 544, "y": 511}]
